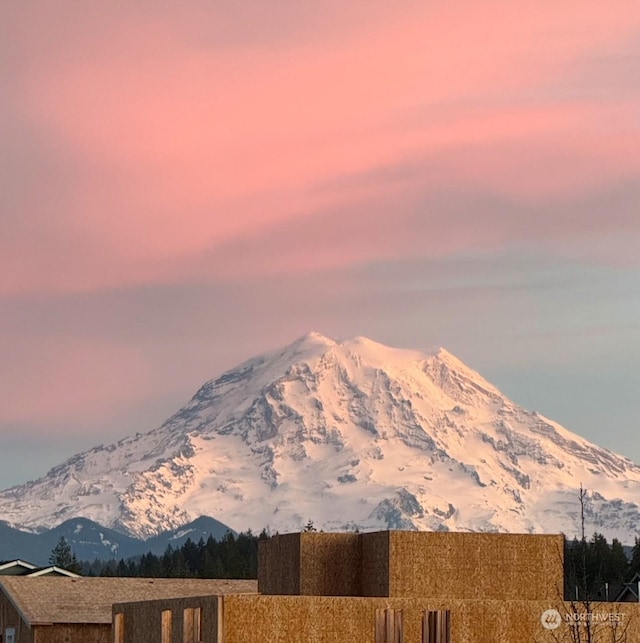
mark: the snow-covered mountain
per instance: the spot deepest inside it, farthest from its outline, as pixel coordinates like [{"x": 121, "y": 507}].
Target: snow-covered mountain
[{"x": 349, "y": 433}]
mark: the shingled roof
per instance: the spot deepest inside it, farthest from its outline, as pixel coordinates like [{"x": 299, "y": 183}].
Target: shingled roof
[
  {"x": 45, "y": 600},
  {"x": 23, "y": 568},
  {"x": 16, "y": 567}
]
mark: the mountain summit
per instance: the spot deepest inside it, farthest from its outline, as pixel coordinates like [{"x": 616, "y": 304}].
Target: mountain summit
[{"x": 346, "y": 433}]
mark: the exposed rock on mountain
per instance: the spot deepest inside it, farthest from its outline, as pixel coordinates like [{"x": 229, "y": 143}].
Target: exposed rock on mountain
[{"x": 349, "y": 433}]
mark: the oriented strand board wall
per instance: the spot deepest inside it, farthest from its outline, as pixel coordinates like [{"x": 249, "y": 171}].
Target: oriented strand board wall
[
  {"x": 375, "y": 563},
  {"x": 279, "y": 565},
  {"x": 325, "y": 564},
  {"x": 476, "y": 565},
  {"x": 413, "y": 564},
  {"x": 330, "y": 564},
  {"x": 310, "y": 564},
  {"x": 72, "y": 633},
  {"x": 317, "y": 619},
  {"x": 142, "y": 620}
]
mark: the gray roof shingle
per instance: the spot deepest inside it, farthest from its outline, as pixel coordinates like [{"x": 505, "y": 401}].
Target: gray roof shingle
[{"x": 89, "y": 600}]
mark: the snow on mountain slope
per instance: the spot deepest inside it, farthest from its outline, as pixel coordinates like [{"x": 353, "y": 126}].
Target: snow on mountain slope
[{"x": 345, "y": 433}]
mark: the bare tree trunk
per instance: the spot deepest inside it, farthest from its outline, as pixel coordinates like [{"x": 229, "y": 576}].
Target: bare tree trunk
[{"x": 586, "y": 603}]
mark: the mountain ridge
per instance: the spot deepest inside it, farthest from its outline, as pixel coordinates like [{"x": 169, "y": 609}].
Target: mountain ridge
[
  {"x": 350, "y": 433},
  {"x": 90, "y": 541}
]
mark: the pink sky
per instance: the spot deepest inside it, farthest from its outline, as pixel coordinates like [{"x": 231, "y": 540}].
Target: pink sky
[{"x": 240, "y": 147}]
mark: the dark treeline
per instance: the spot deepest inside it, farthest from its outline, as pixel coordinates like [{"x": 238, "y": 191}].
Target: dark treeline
[
  {"x": 234, "y": 556},
  {"x": 591, "y": 565}
]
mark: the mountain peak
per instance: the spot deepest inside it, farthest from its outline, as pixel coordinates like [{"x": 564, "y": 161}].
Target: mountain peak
[
  {"x": 347, "y": 433},
  {"x": 314, "y": 337}
]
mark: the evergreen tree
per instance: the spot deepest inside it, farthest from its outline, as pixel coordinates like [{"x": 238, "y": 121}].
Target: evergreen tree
[
  {"x": 122, "y": 569},
  {"x": 110, "y": 569},
  {"x": 62, "y": 556},
  {"x": 167, "y": 562},
  {"x": 572, "y": 568},
  {"x": 618, "y": 563},
  {"x": 598, "y": 563},
  {"x": 634, "y": 566},
  {"x": 192, "y": 556},
  {"x": 150, "y": 566},
  {"x": 231, "y": 557}
]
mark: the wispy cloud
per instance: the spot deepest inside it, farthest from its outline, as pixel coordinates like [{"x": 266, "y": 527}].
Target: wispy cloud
[
  {"x": 149, "y": 137},
  {"x": 173, "y": 174}
]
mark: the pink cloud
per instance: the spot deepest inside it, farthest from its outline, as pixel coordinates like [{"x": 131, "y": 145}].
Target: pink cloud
[
  {"x": 176, "y": 146},
  {"x": 53, "y": 381}
]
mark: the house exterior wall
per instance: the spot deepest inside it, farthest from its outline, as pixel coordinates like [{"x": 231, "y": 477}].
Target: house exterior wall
[
  {"x": 327, "y": 619},
  {"x": 413, "y": 564},
  {"x": 143, "y": 620},
  {"x": 10, "y": 617},
  {"x": 57, "y": 633},
  {"x": 15, "y": 570},
  {"x": 307, "y": 578},
  {"x": 72, "y": 633},
  {"x": 476, "y": 565},
  {"x": 319, "y": 619},
  {"x": 324, "y": 564},
  {"x": 331, "y": 566},
  {"x": 80, "y": 610},
  {"x": 375, "y": 563},
  {"x": 279, "y": 565}
]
